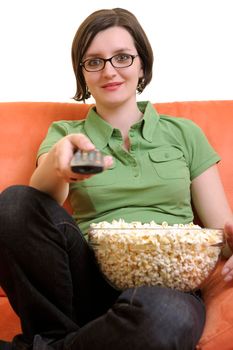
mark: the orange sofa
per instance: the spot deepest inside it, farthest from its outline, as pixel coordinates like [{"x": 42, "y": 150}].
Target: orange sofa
[{"x": 24, "y": 125}]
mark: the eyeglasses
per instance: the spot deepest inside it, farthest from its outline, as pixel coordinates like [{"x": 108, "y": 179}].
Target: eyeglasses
[{"x": 96, "y": 64}]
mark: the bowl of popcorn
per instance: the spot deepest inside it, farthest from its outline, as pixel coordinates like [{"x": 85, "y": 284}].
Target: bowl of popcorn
[{"x": 175, "y": 256}]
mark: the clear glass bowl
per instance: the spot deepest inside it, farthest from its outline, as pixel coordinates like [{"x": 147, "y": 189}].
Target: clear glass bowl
[{"x": 176, "y": 257}]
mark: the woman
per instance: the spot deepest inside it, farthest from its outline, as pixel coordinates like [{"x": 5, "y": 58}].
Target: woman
[{"x": 47, "y": 269}]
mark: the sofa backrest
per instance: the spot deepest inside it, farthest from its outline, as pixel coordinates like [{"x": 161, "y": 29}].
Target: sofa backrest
[{"x": 24, "y": 125}]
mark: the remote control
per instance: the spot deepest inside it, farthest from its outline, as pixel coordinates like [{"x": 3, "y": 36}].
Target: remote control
[{"x": 84, "y": 162}]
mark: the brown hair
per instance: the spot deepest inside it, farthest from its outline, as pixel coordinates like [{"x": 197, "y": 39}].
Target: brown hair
[{"x": 101, "y": 20}]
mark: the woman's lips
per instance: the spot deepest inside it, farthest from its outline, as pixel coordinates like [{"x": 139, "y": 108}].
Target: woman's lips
[{"x": 111, "y": 86}]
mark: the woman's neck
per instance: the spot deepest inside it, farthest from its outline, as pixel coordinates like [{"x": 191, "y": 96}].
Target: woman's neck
[{"x": 121, "y": 117}]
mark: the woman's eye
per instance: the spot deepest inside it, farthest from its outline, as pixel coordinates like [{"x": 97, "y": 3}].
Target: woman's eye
[
  {"x": 122, "y": 57},
  {"x": 95, "y": 62}
]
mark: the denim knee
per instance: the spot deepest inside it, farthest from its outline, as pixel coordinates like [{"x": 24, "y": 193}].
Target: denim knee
[
  {"x": 25, "y": 211},
  {"x": 165, "y": 319},
  {"x": 19, "y": 199},
  {"x": 16, "y": 204},
  {"x": 16, "y": 201}
]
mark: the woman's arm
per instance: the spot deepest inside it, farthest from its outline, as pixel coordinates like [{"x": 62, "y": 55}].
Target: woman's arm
[
  {"x": 210, "y": 199},
  {"x": 213, "y": 209},
  {"x": 46, "y": 178}
]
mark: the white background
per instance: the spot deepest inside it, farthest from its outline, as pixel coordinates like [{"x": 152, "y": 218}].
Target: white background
[{"x": 192, "y": 42}]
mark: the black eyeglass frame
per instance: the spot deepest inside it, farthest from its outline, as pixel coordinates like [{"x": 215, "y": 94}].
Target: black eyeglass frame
[{"x": 82, "y": 64}]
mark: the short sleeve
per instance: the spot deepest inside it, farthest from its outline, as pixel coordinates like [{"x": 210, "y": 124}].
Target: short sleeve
[
  {"x": 201, "y": 155},
  {"x": 56, "y": 131}
]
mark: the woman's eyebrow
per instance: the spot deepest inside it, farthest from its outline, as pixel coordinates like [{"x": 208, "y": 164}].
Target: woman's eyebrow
[{"x": 115, "y": 52}]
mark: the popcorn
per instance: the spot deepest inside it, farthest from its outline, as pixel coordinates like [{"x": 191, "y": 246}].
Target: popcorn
[{"x": 180, "y": 256}]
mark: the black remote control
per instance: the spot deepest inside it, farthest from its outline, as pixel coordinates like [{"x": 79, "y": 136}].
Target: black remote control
[{"x": 84, "y": 162}]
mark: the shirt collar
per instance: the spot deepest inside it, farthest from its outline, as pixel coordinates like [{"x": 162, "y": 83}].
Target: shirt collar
[
  {"x": 100, "y": 132},
  {"x": 150, "y": 119},
  {"x": 97, "y": 129}
]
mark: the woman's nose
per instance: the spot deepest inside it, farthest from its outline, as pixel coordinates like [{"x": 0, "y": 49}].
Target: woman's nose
[{"x": 109, "y": 69}]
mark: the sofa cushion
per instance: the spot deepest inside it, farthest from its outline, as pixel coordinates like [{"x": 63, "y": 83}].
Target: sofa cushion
[{"x": 9, "y": 324}]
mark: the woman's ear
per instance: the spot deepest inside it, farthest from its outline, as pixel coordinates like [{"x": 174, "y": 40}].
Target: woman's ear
[{"x": 141, "y": 85}]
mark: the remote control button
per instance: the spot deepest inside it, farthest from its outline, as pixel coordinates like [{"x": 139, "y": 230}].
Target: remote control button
[{"x": 84, "y": 162}]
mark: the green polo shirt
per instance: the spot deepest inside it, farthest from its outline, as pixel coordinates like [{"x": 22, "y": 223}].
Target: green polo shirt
[{"x": 149, "y": 182}]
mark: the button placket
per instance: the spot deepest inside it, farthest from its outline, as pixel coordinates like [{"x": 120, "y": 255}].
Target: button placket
[{"x": 133, "y": 149}]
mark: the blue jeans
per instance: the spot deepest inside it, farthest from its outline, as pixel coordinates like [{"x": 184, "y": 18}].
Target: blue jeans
[{"x": 51, "y": 278}]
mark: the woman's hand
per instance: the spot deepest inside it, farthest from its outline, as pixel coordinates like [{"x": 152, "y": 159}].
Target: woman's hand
[
  {"x": 63, "y": 152},
  {"x": 227, "y": 270}
]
